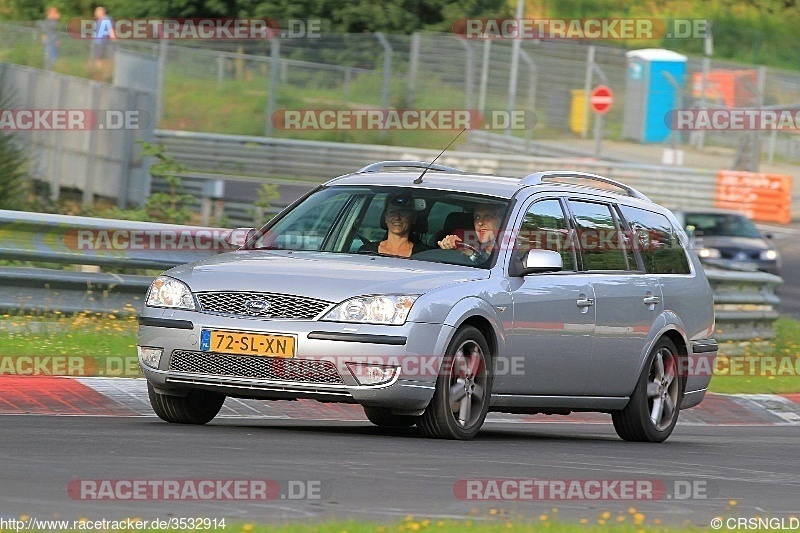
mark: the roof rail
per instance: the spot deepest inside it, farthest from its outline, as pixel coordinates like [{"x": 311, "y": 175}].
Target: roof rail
[
  {"x": 538, "y": 178},
  {"x": 381, "y": 165}
]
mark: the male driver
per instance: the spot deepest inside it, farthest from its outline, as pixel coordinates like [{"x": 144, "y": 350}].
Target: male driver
[{"x": 487, "y": 219}]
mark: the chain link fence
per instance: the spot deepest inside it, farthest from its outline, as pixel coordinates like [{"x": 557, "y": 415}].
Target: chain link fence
[{"x": 247, "y": 81}]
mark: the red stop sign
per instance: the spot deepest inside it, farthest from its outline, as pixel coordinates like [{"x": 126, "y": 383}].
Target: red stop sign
[{"x": 601, "y": 99}]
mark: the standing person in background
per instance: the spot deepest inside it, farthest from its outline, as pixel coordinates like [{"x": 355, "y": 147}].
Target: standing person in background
[
  {"x": 102, "y": 45},
  {"x": 49, "y": 28}
]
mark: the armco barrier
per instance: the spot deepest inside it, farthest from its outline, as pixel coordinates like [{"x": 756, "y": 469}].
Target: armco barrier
[
  {"x": 233, "y": 157},
  {"x": 745, "y": 302},
  {"x": 76, "y": 240},
  {"x": 93, "y": 242},
  {"x": 42, "y": 290}
]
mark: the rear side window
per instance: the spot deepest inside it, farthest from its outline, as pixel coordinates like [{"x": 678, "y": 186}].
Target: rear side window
[
  {"x": 601, "y": 242},
  {"x": 656, "y": 240}
]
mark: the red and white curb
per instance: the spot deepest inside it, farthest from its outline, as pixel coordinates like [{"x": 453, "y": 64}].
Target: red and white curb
[{"x": 51, "y": 395}]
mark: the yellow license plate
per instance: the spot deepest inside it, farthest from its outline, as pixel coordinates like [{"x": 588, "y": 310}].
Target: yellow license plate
[{"x": 240, "y": 343}]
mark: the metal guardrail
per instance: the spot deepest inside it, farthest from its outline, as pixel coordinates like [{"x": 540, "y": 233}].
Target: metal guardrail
[
  {"x": 103, "y": 242},
  {"x": 91, "y": 243},
  {"x": 745, "y": 302},
  {"x": 42, "y": 290},
  {"x": 236, "y": 157},
  {"x": 237, "y": 211}
]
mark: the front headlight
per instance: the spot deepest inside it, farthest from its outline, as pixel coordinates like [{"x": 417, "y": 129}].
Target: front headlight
[
  {"x": 708, "y": 253},
  {"x": 169, "y": 292},
  {"x": 768, "y": 255},
  {"x": 387, "y": 309}
]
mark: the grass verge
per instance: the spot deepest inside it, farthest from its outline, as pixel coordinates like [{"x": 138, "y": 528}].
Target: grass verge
[
  {"x": 631, "y": 522},
  {"x": 85, "y": 344},
  {"x": 757, "y": 370}
]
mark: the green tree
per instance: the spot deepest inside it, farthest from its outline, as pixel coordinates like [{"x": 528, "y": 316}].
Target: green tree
[
  {"x": 267, "y": 194},
  {"x": 343, "y": 16},
  {"x": 172, "y": 206},
  {"x": 35, "y": 9},
  {"x": 13, "y": 163}
]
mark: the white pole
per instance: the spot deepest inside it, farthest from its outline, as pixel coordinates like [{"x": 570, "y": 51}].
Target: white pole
[
  {"x": 512, "y": 77},
  {"x": 487, "y": 49}
]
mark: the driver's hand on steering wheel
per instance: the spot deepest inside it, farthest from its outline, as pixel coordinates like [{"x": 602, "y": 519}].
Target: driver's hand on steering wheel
[
  {"x": 454, "y": 242},
  {"x": 449, "y": 242}
]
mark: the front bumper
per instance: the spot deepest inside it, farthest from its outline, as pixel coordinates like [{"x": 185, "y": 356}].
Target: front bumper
[
  {"x": 747, "y": 265},
  {"x": 319, "y": 369}
]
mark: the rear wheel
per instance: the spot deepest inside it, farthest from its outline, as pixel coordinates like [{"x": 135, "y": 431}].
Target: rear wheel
[
  {"x": 381, "y": 416},
  {"x": 652, "y": 412},
  {"x": 197, "y": 407},
  {"x": 461, "y": 399}
]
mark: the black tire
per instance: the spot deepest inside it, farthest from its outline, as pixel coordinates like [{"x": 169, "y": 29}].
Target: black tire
[
  {"x": 463, "y": 389},
  {"x": 197, "y": 407},
  {"x": 652, "y": 412},
  {"x": 381, "y": 416}
]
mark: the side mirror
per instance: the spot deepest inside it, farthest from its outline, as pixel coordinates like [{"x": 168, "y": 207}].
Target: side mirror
[
  {"x": 537, "y": 261},
  {"x": 236, "y": 238}
]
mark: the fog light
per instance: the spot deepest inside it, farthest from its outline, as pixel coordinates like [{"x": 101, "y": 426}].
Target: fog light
[
  {"x": 372, "y": 374},
  {"x": 150, "y": 356}
]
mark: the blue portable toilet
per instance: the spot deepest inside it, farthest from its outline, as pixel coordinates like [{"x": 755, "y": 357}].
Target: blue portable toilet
[{"x": 649, "y": 96}]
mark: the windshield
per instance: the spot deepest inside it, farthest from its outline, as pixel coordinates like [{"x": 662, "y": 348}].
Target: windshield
[
  {"x": 391, "y": 221},
  {"x": 721, "y": 225}
]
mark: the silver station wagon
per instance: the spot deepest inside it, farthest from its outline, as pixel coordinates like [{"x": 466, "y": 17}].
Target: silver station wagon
[{"x": 431, "y": 296}]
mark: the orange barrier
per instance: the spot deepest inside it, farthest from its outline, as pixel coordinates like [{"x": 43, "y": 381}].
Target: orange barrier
[
  {"x": 762, "y": 197},
  {"x": 734, "y": 88}
]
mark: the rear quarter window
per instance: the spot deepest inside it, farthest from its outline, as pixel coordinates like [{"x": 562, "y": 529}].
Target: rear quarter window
[
  {"x": 656, "y": 240},
  {"x": 601, "y": 242}
]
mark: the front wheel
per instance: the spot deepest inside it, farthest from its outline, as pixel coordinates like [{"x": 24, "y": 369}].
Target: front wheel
[
  {"x": 463, "y": 388},
  {"x": 652, "y": 412},
  {"x": 197, "y": 407}
]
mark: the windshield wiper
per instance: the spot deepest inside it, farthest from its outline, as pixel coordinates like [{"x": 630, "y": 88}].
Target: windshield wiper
[{"x": 370, "y": 252}]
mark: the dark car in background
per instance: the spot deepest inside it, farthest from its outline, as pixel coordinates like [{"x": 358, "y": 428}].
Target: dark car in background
[{"x": 729, "y": 239}]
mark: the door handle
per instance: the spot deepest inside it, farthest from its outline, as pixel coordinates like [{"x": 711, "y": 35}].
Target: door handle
[
  {"x": 651, "y": 300},
  {"x": 585, "y": 302}
]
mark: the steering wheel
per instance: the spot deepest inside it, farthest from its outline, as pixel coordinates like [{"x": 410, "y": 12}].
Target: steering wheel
[{"x": 461, "y": 245}]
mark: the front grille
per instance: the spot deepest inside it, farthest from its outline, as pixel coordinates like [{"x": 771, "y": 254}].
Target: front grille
[
  {"x": 278, "y": 305},
  {"x": 254, "y": 367},
  {"x": 732, "y": 253}
]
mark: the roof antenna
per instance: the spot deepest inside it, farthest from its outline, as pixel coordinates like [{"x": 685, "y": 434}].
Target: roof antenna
[{"x": 419, "y": 178}]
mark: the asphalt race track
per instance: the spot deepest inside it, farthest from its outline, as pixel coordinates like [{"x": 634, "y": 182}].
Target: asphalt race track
[
  {"x": 734, "y": 457},
  {"x": 356, "y": 470}
]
